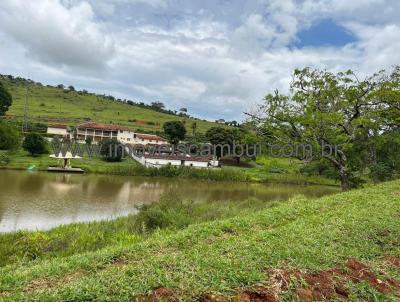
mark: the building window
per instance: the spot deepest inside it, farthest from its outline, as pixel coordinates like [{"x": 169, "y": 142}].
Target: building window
[
  {"x": 128, "y": 139},
  {"x": 120, "y": 131},
  {"x": 142, "y": 139}
]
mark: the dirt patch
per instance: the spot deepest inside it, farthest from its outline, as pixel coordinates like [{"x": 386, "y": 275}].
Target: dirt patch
[
  {"x": 119, "y": 262},
  {"x": 5, "y": 294},
  {"x": 393, "y": 261},
  {"x": 45, "y": 284},
  {"x": 259, "y": 295},
  {"x": 212, "y": 298},
  {"x": 324, "y": 285},
  {"x": 360, "y": 272},
  {"x": 330, "y": 284},
  {"x": 159, "y": 294}
]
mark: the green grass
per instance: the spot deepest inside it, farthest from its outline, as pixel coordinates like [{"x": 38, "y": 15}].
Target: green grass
[
  {"x": 169, "y": 213},
  {"x": 224, "y": 255},
  {"x": 53, "y": 105}
]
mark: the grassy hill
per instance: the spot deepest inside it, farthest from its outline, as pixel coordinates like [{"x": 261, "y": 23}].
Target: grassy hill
[
  {"x": 339, "y": 247},
  {"x": 57, "y": 105}
]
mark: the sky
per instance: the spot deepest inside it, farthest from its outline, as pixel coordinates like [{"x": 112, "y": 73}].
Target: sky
[{"x": 218, "y": 58}]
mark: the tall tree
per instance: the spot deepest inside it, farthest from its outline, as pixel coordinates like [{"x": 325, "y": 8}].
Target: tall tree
[
  {"x": 175, "y": 131},
  {"x": 326, "y": 110},
  {"x": 5, "y": 100}
]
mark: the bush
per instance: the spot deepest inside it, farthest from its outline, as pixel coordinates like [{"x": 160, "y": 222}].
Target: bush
[
  {"x": 170, "y": 212},
  {"x": 33, "y": 245},
  {"x": 9, "y": 137},
  {"x": 35, "y": 144},
  {"x": 4, "y": 159},
  {"x": 111, "y": 150},
  {"x": 382, "y": 172}
]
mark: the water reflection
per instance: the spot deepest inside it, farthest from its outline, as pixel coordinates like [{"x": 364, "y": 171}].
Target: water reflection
[{"x": 44, "y": 200}]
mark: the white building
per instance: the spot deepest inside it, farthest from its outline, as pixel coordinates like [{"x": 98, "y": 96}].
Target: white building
[
  {"x": 98, "y": 132},
  {"x": 179, "y": 160},
  {"x": 58, "y": 129},
  {"x": 145, "y": 139}
]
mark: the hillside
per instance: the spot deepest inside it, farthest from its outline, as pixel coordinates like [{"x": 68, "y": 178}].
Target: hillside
[
  {"x": 339, "y": 247},
  {"x": 49, "y": 104}
]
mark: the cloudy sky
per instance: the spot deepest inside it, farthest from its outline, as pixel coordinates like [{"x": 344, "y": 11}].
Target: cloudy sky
[{"x": 215, "y": 57}]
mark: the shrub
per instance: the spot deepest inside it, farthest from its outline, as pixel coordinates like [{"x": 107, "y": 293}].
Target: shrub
[
  {"x": 170, "y": 212},
  {"x": 35, "y": 144},
  {"x": 111, "y": 150},
  {"x": 382, "y": 172},
  {"x": 33, "y": 245},
  {"x": 4, "y": 159},
  {"x": 9, "y": 137}
]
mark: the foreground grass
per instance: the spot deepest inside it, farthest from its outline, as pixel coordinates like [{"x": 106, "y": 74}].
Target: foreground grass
[{"x": 225, "y": 255}]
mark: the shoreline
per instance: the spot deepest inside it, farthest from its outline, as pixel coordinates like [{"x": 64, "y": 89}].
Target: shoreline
[{"x": 301, "y": 180}]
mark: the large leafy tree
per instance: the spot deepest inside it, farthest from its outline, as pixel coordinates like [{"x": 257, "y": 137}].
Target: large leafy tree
[
  {"x": 35, "y": 144},
  {"x": 222, "y": 136},
  {"x": 325, "y": 110},
  {"x": 5, "y": 100},
  {"x": 175, "y": 131}
]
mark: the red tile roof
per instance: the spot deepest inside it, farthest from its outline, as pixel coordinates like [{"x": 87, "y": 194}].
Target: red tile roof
[
  {"x": 150, "y": 137},
  {"x": 106, "y": 127},
  {"x": 59, "y": 126}
]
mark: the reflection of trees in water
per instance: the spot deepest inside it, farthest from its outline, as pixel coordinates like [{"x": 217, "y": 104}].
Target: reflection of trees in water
[{"x": 30, "y": 182}]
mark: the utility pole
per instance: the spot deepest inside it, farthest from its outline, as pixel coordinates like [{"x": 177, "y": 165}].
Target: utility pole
[{"x": 25, "y": 122}]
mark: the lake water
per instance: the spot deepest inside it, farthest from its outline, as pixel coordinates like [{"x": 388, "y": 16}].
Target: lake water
[{"x": 40, "y": 200}]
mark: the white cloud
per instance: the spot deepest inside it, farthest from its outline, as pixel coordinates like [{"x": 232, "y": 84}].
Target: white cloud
[
  {"x": 216, "y": 59},
  {"x": 55, "y": 34}
]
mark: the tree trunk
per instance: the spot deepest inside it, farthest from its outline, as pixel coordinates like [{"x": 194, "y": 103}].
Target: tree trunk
[
  {"x": 344, "y": 179},
  {"x": 238, "y": 160}
]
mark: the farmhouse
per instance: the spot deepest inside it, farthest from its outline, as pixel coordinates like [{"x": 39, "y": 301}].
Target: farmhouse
[{"x": 98, "y": 132}]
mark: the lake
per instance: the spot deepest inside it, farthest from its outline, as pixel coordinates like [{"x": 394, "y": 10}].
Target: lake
[{"x": 40, "y": 200}]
